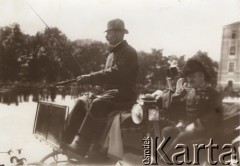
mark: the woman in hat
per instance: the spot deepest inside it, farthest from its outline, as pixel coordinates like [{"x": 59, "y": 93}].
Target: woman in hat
[{"x": 203, "y": 108}]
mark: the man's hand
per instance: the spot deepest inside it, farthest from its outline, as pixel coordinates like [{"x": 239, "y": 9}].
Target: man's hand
[
  {"x": 83, "y": 79},
  {"x": 190, "y": 127}
]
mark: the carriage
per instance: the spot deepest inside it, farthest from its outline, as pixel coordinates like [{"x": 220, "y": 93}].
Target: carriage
[{"x": 50, "y": 122}]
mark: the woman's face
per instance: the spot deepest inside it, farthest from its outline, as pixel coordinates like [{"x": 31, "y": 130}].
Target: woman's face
[{"x": 195, "y": 80}]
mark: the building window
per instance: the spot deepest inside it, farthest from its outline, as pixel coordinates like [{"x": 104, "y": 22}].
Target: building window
[
  {"x": 231, "y": 67},
  {"x": 232, "y": 50},
  {"x": 230, "y": 83},
  {"x": 234, "y": 34}
]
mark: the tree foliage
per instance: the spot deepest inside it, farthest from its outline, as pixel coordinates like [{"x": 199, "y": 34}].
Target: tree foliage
[{"x": 41, "y": 58}]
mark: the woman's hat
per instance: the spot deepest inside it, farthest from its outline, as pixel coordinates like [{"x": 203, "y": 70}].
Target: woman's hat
[{"x": 193, "y": 66}]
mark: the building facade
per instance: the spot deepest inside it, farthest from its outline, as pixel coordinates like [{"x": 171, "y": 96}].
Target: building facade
[{"x": 229, "y": 66}]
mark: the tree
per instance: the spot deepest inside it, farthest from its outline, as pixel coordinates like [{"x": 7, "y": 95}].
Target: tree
[
  {"x": 47, "y": 54},
  {"x": 13, "y": 50},
  {"x": 153, "y": 68},
  {"x": 90, "y": 54}
]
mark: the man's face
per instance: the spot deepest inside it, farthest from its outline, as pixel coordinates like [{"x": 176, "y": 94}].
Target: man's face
[
  {"x": 195, "y": 80},
  {"x": 172, "y": 82},
  {"x": 112, "y": 37}
]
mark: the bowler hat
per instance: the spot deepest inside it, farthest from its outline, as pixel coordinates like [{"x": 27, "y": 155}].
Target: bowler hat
[
  {"x": 116, "y": 24},
  {"x": 172, "y": 72}
]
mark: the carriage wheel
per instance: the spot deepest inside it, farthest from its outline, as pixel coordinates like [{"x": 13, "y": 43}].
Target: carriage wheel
[{"x": 53, "y": 158}]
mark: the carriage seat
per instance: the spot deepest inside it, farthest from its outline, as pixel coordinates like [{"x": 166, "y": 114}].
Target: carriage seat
[{"x": 124, "y": 135}]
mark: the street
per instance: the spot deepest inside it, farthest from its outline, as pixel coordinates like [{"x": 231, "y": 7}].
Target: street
[{"x": 16, "y": 126}]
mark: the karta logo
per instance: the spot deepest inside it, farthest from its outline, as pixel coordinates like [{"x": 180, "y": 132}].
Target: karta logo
[{"x": 179, "y": 154}]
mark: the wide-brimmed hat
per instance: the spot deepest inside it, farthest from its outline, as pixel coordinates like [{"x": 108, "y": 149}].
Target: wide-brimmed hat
[
  {"x": 116, "y": 24},
  {"x": 193, "y": 66}
]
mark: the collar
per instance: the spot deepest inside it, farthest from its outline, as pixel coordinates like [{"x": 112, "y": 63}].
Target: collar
[{"x": 118, "y": 46}]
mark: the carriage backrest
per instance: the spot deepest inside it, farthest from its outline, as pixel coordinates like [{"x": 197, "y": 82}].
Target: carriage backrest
[{"x": 50, "y": 122}]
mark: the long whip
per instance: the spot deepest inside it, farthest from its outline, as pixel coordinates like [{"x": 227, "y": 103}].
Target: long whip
[{"x": 60, "y": 42}]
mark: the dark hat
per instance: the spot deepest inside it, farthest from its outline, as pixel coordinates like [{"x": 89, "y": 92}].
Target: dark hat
[
  {"x": 193, "y": 66},
  {"x": 116, "y": 24},
  {"x": 172, "y": 72}
]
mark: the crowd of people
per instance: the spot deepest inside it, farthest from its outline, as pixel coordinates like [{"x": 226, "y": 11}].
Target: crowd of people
[{"x": 15, "y": 93}]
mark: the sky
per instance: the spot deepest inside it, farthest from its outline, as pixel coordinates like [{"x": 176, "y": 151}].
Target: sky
[{"x": 179, "y": 27}]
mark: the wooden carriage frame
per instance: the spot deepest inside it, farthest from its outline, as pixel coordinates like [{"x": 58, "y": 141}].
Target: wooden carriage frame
[
  {"x": 48, "y": 129},
  {"x": 42, "y": 129}
]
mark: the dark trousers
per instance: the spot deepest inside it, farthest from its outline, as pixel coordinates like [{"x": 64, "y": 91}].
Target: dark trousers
[
  {"x": 75, "y": 119},
  {"x": 97, "y": 111}
]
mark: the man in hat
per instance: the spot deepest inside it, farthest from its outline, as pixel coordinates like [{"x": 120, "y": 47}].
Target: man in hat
[
  {"x": 118, "y": 79},
  {"x": 167, "y": 97},
  {"x": 171, "y": 101},
  {"x": 203, "y": 108}
]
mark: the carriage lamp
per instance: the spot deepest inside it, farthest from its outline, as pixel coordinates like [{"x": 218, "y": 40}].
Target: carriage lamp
[{"x": 147, "y": 113}]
